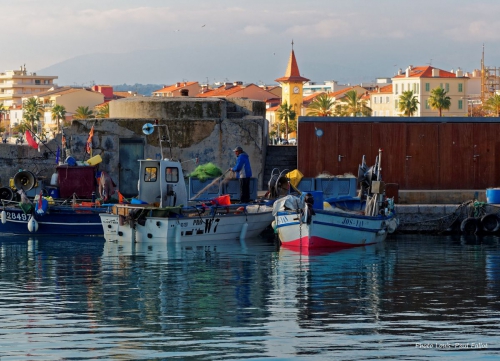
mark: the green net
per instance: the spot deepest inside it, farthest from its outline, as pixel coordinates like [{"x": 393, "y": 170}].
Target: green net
[{"x": 204, "y": 171}]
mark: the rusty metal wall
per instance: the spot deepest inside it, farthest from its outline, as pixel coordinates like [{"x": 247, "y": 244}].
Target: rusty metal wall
[{"x": 418, "y": 153}]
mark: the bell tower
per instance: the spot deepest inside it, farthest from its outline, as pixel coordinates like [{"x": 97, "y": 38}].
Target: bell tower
[{"x": 291, "y": 84}]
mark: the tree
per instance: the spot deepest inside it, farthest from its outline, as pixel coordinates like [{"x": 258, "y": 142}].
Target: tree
[
  {"x": 32, "y": 111},
  {"x": 286, "y": 113},
  {"x": 3, "y": 117},
  {"x": 83, "y": 113},
  {"x": 408, "y": 103},
  {"x": 102, "y": 111},
  {"x": 355, "y": 105},
  {"x": 58, "y": 113},
  {"x": 439, "y": 100},
  {"x": 321, "y": 106},
  {"x": 493, "y": 104}
]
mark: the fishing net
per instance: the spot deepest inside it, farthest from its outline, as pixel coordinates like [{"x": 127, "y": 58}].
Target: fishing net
[{"x": 204, "y": 171}]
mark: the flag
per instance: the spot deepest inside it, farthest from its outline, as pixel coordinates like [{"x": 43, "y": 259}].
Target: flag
[
  {"x": 58, "y": 154},
  {"x": 30, "y": 140},
  {"x": 89, "y": 141},
  {"x": 121, "y": 198}
]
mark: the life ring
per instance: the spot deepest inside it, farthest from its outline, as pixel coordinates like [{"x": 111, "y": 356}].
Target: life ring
[
  {"x": 490, "y": 222},
  {"x": 469, "y": 225}
]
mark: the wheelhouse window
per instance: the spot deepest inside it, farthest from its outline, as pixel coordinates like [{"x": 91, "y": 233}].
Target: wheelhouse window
[
  {"x": 150, "y": 174},
  {"x": 172, "y": 174}
]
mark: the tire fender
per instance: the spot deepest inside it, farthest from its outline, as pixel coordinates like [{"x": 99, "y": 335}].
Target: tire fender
[
  {"x": 490, "y": 223},
  {"x": 469, "y": 225}
]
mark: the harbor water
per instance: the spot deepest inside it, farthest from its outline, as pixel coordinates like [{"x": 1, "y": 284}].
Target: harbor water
[{"x": 414, "y": 297}]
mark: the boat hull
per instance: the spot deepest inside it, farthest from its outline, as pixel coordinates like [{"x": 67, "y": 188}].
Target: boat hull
[
  {"x": 65, "y": 220},
  {"x": 200, "y": 228},
  {"x": 330, "y": 229}
]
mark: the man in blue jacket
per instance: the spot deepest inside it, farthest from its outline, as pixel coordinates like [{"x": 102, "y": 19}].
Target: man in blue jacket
[{"x": 243, "y": 172}]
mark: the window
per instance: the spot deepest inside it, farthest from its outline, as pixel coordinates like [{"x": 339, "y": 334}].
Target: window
[
  {"x": 374, "y": 100},
  {"x": 37, "y": 81},
  {"x": 427, "y": 106},
  {"x": 460, "y": 87},
  {"x": 386, "y": 113},
  {"x": 460, "y": 104},
  {"x": 387, "y": 99},
  {"x": 395, "y": 88},
  {"x": 427, "y": 87},
  {"x": 380, "y": 100},
  {"x": 172, "y": 174},
  {"x": 150, "y": 174},
  {"x": 402, "y": 88},
  {"x": 396, "y": 104},
  {"x": 447, "y": 87},
  {"x": 374, "y": 113}
]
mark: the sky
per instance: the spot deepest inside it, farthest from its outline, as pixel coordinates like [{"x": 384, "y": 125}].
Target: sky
[{"x": 164, "y": 41}]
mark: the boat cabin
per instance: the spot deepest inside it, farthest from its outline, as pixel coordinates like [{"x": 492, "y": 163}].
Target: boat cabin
[{"x": 162, "y": 182}]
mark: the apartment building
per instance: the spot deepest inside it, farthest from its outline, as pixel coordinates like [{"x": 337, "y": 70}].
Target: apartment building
[
  {"x": 18, "y": 84},
  {"x": 422, "y": 80}
]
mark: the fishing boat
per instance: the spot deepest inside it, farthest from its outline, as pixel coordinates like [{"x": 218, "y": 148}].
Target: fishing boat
[
  {"x": 23, "y": 213},
  {"x": 345, "y": 221},
  {"x": 161, "y": 210}
]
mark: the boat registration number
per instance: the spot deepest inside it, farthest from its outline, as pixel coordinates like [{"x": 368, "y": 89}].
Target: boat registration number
[
  {"x": 352, "y": 222},
  {"x": 16, "y": 216}
]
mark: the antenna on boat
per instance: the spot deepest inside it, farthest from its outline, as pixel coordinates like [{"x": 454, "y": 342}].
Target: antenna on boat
[{"x": 148, "y": 129}]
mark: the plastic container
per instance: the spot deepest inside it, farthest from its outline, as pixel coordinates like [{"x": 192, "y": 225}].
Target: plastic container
[
  {"x": 53, "y": 192},
  {"x": 223, "y": 200},
  {"x": 493, "y": 195},
  {"x": 96, "y": 159}
]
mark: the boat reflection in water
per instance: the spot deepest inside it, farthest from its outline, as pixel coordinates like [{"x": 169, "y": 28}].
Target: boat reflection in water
[{"x": 248, "y": 300}]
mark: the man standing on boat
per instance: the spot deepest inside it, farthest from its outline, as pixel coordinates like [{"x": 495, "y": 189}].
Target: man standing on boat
[{"x": 243, "y": 172}]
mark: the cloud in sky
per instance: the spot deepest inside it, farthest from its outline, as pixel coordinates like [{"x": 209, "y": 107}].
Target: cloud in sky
[{"x": 343, "y": 40}]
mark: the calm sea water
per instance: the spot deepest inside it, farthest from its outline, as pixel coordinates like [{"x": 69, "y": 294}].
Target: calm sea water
[{"x": 411, "y": 298}]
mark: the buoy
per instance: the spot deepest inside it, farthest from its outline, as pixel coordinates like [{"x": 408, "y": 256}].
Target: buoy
[
  {"x": 243, "y": 232},
  {"x": 4, "y": 217},
  {"x": 32, "y": 224},
  {"x": 177, "y": 233},
  {"x": 469, "y": 225},
  {"x": 490, "y": 222}
]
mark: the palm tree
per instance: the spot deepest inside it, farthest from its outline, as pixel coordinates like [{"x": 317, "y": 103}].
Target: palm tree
[
  {"x": 356, "y": 105},
  {"x": 408, "y": 103},
  {"x": 83, "y": 113},
  {"x": 321, "y": 106},
  {"x": 3, "y": 115},
  {"x": 58, "y": 113},
  {"x": 439, "y": 100},
  {"x": 102, "y": 111},
  {"x": 493, "y": 104},
  {"x": 32, "y": 111},
  {"x": 286, "y": 113}
]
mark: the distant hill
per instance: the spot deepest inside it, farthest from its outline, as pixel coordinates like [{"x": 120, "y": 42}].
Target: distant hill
[{"x": 161, "y": 66}]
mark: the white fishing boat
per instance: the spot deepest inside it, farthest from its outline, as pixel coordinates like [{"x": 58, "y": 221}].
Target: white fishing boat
[
  {"x": 338, "y": 222},
  {"x": 164, "y": 213}
]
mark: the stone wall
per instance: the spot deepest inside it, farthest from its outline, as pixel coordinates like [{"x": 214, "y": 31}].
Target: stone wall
[{"x": 198, "y": 130}]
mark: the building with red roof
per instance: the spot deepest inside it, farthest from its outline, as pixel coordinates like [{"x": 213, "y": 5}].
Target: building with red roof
[{"x": 421, "y": 80}]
